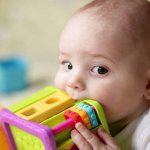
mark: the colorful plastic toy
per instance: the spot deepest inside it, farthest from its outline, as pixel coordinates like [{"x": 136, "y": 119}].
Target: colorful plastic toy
[
  {"x": 13, "y": 74},
  {"x": 44, "y": 121}
]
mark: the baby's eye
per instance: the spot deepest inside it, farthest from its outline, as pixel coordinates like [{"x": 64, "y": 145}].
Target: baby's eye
[
  {"x": 100, "y": 70},
  {"x": 67, "y": 65}
]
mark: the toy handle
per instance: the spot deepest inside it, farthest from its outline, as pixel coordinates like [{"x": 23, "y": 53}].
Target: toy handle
[{"x": 61, "y": 127}]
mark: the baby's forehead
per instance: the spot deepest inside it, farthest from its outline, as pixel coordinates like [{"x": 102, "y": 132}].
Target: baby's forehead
[
  {"x": 132, "y": 13},
  {"x": 129, "y": 26},
  {"x": 129, "y": 18}
]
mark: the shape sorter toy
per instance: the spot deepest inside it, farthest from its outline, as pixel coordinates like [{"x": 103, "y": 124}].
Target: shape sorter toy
[{"x": 44, "y": 121}]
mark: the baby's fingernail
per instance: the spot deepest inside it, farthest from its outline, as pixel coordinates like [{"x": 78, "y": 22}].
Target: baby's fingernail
[
  {"x": 79, "y": 125},
  {"x": 73, "y": 132}
]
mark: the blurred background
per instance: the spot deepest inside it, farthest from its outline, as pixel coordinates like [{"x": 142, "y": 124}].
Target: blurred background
[{"x": 30, "y": 30}]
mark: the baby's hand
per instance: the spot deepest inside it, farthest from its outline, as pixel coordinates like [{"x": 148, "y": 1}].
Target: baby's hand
[{"x": 85, "y": 139}]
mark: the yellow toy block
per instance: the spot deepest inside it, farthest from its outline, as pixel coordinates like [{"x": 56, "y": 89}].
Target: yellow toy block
[
  {"x": 83, "y": 115},
  {"x": 47, "y": 91},
  {"x": 47, "y": 107}
]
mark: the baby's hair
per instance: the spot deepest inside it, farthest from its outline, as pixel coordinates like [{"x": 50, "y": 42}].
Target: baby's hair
[{"x": 131, "y": 16}]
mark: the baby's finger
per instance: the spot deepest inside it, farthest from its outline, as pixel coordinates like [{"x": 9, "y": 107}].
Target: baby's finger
[
  {"x": 80, "y": 141},
  {"x": 107, "y": 138},
  {"x": 91, "y": 138}
]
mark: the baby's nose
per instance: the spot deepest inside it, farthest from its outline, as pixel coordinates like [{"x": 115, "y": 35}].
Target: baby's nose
[{"x": 76, "y": 83}]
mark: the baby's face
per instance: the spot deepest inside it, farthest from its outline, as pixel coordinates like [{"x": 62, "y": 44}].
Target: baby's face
[{"x": 94, "y": 64}]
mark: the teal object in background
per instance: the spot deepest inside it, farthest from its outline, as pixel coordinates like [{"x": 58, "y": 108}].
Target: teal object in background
[{"x": 13, "y": 74}]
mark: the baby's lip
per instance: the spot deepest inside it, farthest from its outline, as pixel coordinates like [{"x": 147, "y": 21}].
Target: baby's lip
[{"x": 76, "y": 95}]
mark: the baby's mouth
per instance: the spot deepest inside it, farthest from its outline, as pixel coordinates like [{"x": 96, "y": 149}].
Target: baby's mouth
[{"x": 76, "y": 95}]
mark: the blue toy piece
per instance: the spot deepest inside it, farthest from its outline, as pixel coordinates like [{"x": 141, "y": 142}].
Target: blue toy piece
[
  {"x": 13, "y": 74},
  {"x": 92, "y": 116}
]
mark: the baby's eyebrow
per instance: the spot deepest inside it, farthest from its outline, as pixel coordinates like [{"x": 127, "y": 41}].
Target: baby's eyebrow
[
  {"x": 64, "y": 53},
  {"x": 91, "y": 53},
  {"x": 97, "y": 55}
]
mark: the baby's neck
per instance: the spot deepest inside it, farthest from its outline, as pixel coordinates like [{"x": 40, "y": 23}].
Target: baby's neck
[{"x": 116, "y": 127}]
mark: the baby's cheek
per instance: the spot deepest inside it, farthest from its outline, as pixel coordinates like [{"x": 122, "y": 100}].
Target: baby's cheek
[
  {"x": 59, "y": 82},
  {"x": 100, "y": 96},
  {"x": 106, "y": 99}
]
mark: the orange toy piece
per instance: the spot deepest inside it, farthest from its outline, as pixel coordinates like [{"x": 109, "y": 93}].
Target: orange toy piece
[
  {"x": 83, "y": 115},
  {"x": 3, "y": 142}
]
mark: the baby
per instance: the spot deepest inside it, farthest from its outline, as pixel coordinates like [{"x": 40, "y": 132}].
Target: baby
[{"x": 105, "y": 55}]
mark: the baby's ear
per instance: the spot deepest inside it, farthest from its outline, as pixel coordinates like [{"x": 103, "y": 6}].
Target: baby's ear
[{"x": 147, "y": 90}]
